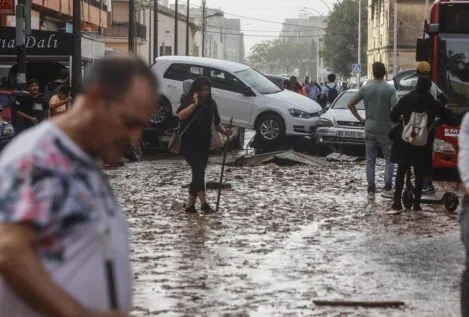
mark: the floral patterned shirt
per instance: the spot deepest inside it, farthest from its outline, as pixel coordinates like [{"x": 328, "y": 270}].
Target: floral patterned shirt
[{"x": 48, "y": 181}]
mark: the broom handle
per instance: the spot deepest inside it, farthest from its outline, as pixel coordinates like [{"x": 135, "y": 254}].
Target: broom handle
[{"x": 223, "y": 167}]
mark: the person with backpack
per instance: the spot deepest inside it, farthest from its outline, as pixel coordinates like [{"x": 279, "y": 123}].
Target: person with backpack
[
  {"x": 331, "y": 90},
  {"x": 424, "y": 69},
  {"x": 416, "y": 113}
]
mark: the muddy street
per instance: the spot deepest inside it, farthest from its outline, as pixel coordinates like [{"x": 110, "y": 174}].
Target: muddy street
[{"x": 284, "y": 237}]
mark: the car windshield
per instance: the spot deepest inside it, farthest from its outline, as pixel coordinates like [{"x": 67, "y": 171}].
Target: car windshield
[
  {"x": 342, "y": 102},
  {"x": 258, "y": 81}
]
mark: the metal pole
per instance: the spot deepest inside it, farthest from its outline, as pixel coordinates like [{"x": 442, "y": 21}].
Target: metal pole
[
  {"x": 359, "y": 38},
  {"x": 20, "y": 44},
  {"x": 204, "y": 26},
  {"x": 149, "y": 37},
  {"x": 425, "y": 14},
  {"x": 187, "y": 27},
  {"x": 76, "y": 58},
  {"x": 176, "y": 18},
  {"x": 131, "y": 26},
  {"x": 317, "y": 59},
  {"x": 156, "y": 44},
  {"x": 394, "y": 59}
]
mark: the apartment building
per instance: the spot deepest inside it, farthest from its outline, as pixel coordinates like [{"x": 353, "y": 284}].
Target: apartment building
[
  {"x": 116, "y": 36},
  {"x": 56, "y": 15},
  {"x": 410, "y": 22},
  {"x": 223, "y": 36}
]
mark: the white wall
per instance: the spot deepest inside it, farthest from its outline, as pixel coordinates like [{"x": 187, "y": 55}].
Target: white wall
[{"x": 166, "y": 35}]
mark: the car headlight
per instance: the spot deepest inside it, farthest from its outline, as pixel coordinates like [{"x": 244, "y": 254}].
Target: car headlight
[
  {"x": 441, "y": 146},
  {"x": 301, "y": 114},
  {"x": 325, "y": 123}
]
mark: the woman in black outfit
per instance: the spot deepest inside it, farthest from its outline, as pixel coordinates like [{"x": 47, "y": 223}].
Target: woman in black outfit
[
  {"x": 407, "y": 155},
  {"x": 199, "y": 111}
]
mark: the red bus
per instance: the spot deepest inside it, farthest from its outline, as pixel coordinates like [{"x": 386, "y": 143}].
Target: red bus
[{"x": 446, "y": 47}]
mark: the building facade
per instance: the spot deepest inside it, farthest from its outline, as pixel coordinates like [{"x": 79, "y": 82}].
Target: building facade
[
  {"x": 56, "y": 15},
  {"x": 306, "y": 29},
  {"x": 410, "y": 23},
  {"x": 223, "y": 36},
  {"x": 116, "y": 36}
]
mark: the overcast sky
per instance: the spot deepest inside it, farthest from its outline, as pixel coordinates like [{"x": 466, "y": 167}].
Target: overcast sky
[{"x": 272, "y": 10}]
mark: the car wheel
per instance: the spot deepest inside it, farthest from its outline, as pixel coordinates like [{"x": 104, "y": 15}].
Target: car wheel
[
  {"x": 163, "y": 111},
  {"x": 271, "y": 129}
]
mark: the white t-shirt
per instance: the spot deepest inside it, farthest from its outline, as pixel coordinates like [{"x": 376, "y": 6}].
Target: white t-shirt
[{"x": 47, "y": 180}]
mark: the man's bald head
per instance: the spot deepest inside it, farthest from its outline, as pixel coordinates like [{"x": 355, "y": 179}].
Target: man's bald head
[{"x": 115, "y": 74}]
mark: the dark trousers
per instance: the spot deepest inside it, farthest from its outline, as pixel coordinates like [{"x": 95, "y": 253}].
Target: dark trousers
[
  {"x": 464, "y": 222},
  {"x": 197, "y": 158},
  {"x": 402, "y": 171}
]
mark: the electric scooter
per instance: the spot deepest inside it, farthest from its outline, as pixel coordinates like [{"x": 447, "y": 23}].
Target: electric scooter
[{"x": 447, "y": 198}]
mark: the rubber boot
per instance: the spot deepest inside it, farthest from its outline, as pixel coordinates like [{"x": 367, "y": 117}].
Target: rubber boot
[{"x": 207, "y": 209}]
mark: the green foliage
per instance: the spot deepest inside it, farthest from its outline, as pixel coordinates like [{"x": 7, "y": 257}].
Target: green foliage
[
  {"x": 340, "y": 46},
  {"x": 281, "y": 55}
]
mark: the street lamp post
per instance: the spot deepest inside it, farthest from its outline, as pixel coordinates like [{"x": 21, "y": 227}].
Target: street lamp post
[
  {"x": 187, "y": 27},
  {"x": 204, "y": 4},
  {"x": 156, "y": 44},
  {"x": 359, "y": 38},
  {"x": 176, "y": 28},
  {"x": 131, "y": 35},
  {"x": 204, "y": 23}
]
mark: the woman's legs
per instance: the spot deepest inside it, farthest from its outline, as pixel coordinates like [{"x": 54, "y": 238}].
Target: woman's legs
[
  {"x": 198, "y": 161},
  {"x": 399, "y": 186}
]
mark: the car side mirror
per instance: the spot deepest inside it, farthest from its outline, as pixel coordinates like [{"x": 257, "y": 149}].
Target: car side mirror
[{"x": 247, "y": 91}]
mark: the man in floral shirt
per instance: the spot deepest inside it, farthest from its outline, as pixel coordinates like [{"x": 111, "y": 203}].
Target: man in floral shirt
[{"x": 59, "y": 220}]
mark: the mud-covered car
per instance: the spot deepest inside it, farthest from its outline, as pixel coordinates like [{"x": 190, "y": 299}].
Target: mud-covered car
[
  {"x": 338, "y": 127},
  {"x": 7, "y": 132}
]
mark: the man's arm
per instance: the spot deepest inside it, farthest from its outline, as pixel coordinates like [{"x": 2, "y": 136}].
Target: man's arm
[
  {"x": 24, "y": 273},
  {"x": 352, "y": 105},
  {"x": 463, "y": 160},
  {"x": 26, "y": 211},
  {"x": 25, "y": 116},
  {"x": 56, "y": 103}
]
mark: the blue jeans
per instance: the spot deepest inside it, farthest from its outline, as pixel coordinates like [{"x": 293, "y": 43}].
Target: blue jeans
[
  {"x": 372, "y": 144},
  {"x": 464, "y": 222}
]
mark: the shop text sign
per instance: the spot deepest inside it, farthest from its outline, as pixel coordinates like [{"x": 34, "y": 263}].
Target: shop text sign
[
  {"x": 38, "y": 43},
  {"x": 7, "y": 7}
]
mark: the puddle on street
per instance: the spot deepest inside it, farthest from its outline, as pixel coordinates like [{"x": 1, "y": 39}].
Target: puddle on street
[{"x": 284, "y": 236}]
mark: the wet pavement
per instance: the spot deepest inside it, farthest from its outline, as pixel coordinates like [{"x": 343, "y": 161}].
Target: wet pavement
[{"x": 284, "y": 236}]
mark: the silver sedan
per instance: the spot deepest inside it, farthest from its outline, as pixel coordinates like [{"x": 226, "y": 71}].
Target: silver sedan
[{"x": 337, "y": 126}]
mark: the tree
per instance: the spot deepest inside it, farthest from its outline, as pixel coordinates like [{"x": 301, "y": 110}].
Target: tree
[
  {"x": 281, "y": 55},
  {"x": 340, "y": 49},
  {"x": 259, "y": 55}
]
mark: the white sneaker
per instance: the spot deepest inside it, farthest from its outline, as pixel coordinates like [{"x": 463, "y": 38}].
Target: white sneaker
[{"x": 371, "y": 196}]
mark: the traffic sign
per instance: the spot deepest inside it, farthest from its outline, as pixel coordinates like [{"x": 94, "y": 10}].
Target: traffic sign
[{"x": 356, "y": 68}]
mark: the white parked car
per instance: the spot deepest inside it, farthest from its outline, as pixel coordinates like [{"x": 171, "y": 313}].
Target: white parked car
[
  {"x": 338, "y": 127},
  {"x": 252, "y": 100}
]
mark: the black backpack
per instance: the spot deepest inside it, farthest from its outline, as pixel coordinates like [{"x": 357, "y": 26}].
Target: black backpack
[{"x": 332, "y": 93}]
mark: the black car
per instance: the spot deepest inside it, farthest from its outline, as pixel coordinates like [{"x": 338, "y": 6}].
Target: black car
[
  {"x": 278, "y": 80},
  {"x": 7, "y": 132}
]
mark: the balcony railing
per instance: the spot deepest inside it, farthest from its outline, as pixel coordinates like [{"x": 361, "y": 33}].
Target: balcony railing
[{"x": 122, "y": 30}]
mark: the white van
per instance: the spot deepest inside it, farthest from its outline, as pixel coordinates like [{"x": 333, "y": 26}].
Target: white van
[{"x": 252, "y": 100}]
